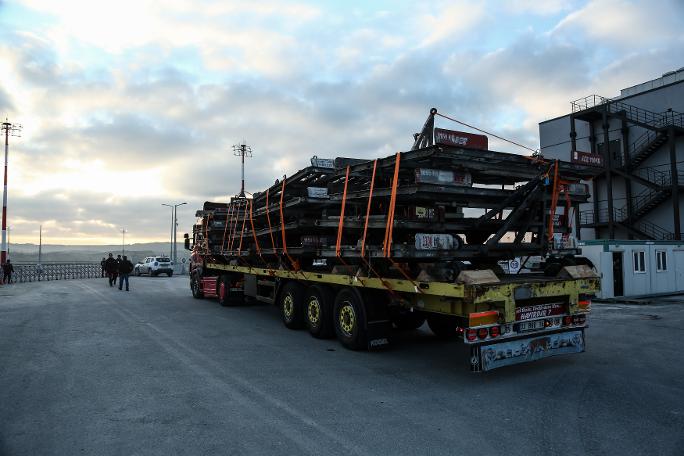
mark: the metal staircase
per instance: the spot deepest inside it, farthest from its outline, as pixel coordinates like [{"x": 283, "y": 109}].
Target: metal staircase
[{"x": 644, "y": 146}]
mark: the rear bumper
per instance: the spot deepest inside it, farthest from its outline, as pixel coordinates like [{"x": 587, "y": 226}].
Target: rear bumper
[
  {"x": 162, "y": 270},
  {"x": 530, "y": 348}
]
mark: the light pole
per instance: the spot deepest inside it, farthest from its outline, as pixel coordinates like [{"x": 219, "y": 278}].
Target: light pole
[
  {"x": 174, "y": 225},
  {"x": 123, "y": 241},
  {"x": 13, "y": 130}
]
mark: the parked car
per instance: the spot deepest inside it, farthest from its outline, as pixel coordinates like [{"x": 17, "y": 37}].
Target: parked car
[{"x": 154, "y": 266}]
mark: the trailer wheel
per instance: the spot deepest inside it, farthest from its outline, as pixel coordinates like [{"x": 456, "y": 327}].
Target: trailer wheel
[
  {"x": 291, "y": 304},
  {"x": 350, "y": 319},
  {"x": 195, "y": 287},
  {"x": 318, "y": 311},
  {"x": 443, "y": 326},
  {"x": 408, "y": 320}
]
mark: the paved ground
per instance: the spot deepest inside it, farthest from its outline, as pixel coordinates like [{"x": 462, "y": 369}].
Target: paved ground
[{"x": 85, "y": 369}]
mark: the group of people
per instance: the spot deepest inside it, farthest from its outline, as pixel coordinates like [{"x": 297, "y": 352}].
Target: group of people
[
  {"x": 7, "y": 270},
  {"x": 115, "y": 268}
]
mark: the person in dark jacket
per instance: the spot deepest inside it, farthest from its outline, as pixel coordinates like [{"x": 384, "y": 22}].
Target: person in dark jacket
[
  {"x": 125, "y": 268},
  {"x": 110, "y": 268},
  {"x": 102, "y": 265},
  {"x": 116, "y": 270},
  {"x": 7, "y": 270}
]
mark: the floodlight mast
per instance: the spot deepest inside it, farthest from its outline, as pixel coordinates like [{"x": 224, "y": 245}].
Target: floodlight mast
[
  {"x": 242, "y": 150},
  {"x": 10, "y": 130}
]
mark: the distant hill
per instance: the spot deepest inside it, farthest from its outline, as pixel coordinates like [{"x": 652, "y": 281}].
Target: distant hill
[{"x": 28, "y": 253}]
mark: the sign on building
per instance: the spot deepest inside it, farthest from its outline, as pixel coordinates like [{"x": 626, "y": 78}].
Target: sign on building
[{"x": 586, "y": 158}]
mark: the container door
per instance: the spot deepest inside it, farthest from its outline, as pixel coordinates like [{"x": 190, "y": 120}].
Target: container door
[
  {"x": 618, "y": 274},
  {"x": 679, "y": 269}
]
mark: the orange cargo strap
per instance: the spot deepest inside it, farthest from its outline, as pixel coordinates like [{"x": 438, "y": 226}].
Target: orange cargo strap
[
  {"x": 340, "y": 227},
  {"x": 268, "y": 219},
  {"x": 554, "y": 201},
  {"x": 225, "y": 228},
  {"x": 368, "y": 208},
  {"x": 294, "y": 263},
  {"x": 233, "y": 231},
  {"x": 387, "y": 245},
  {"x": 251, "y": 222},
  {"x": 206, "y": 233},
  {"x": 242, "y": 232}
]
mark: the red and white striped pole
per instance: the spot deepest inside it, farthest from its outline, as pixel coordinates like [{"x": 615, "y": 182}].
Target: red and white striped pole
[{"x": 3, "y": 254}]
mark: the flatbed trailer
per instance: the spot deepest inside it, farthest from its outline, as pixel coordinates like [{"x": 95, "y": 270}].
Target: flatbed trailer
[{"x": 313, "y": 245}]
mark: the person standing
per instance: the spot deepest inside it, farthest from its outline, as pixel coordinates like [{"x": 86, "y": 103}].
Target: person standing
[
  {"x": 110, "y": 268},
  {"x": 125, "y": 268},
  {"x": 116, "y": 269},
  {"x": 102, "y": 265},
  {"x": 7, "y": 270}
]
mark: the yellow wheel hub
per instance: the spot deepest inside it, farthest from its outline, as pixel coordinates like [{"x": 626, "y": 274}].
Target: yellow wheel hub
[
  {"x": 314, "y": 310},
  {"x": 347, "y": 319},
  {"x": 288, "y": 306}
]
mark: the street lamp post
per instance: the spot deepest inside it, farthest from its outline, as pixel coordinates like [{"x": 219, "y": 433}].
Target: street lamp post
[{"x": 174, "y": 226}]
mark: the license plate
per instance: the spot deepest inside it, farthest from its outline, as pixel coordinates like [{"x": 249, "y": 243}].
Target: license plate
[
  {"x": 529, "y": 349},
  {"x": 539, "y": 311},
  {"x": 531, "y": 325}
]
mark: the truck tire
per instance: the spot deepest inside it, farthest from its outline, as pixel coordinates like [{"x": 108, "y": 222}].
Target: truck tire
[
  {"x": 318, "y": 311},
  {"x": 443, "y": 326},
  {"x": 195, "y": 287},
  {"x": 291, "y": 305},
  {"x": 406, "y": 320},
  {"x": 349, "y": 316}
]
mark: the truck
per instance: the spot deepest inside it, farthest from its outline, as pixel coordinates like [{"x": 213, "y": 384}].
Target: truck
[{"x": 357, "y": 249}]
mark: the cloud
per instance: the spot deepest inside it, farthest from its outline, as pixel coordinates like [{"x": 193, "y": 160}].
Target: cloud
[
  {"x": 625, "y": 23},
  {"x": 117, "y": 123}
]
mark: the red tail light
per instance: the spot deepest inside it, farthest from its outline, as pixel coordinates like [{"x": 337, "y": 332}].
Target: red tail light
[
  {"x": 471, "y": 335},
  {"x": 494, "y": 331},
  {"x": 482, "y": 333}
]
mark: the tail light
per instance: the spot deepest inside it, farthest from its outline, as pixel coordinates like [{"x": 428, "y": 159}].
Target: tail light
[
  {"x": 567, "y": 320},
  {"x": 579, "y": 319},
  {"x": 471, "y": 335},
  {"x": 494, "y": 331},
  {"x": 482, "y": 333}
]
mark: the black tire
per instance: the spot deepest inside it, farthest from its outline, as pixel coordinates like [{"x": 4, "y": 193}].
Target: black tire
[
  {"x": 169, "y": 274},
  {"x": 291, "y": 305},
  {"x": 137, "y": 272},
  {"x": 154, "y": 274},
  {"x": 195, "y": 287},
  {"x": 349, "y": 316},
  {"x": 406, "y": 320},
  {"x": 443, "y": 326},
  {"x": 318, "y": 311}
]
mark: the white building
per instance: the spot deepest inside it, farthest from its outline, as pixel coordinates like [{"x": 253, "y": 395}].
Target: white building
[
  {"x": 632, "y": 227},
  {"x": 637, "y": 268}
]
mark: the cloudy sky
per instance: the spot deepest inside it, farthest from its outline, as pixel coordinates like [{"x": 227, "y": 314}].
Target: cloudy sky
[{"x": 129, "y": 104}]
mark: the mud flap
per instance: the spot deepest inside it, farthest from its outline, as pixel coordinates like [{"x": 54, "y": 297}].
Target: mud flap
[
  {"x": 486, "y": 357},
  {"x": 377, "y": 333}
]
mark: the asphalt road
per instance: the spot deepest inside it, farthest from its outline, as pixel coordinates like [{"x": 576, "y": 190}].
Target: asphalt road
[{"x": 86, "y": 369}]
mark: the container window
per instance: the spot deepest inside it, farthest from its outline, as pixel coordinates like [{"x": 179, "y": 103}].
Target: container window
[
  {"x": 661, "y": 260},
  {"x": 639, "y": 262}
]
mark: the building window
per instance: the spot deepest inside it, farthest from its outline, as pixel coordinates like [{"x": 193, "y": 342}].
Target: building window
[
  {"x": 639, "y": 261},
  {"x": 661, "y": 260}
]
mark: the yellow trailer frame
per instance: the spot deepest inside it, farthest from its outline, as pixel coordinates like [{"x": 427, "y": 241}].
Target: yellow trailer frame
[{"x": 458, "y": 299}]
